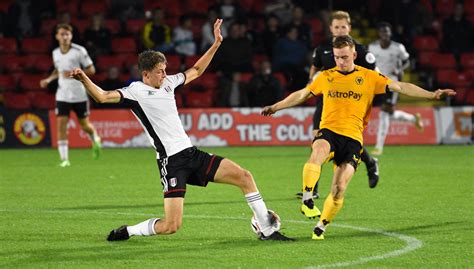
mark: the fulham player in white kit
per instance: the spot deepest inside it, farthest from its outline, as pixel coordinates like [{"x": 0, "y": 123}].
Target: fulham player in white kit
[
  {"x": 153, "y": 103},
  {"x": 71, "y": 94},
  {"x": 392, "y": 58}
]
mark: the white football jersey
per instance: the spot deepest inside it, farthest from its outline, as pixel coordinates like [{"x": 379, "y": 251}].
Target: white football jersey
[
  {"x": 157, "y": 112},
  {"x": 389, "y": 59},
  {"x": 69, "y": 89}
]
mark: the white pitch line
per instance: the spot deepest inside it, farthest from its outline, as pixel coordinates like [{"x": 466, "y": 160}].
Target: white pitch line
[{"x": 412, "y": 243}]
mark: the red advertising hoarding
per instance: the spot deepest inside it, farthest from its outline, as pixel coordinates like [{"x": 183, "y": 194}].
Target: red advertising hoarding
[{"x": 237, "y": 127}]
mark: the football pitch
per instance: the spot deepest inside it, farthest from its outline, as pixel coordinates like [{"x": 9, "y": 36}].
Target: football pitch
[{"x": 419, "y": 216}]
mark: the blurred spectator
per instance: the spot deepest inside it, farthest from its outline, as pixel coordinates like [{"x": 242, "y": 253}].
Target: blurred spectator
[
  {"x": 229, "y": 11},
  {"x": 3, "y": 24},
  {"x": 281, "y": 9},
  {"x": 183, "y": 37},
  {"x": 457, "y": 32},
  {"x": 208, "y": 30},
  {"x": 264, "y": 88},
  {"x": 304, "y": 30},
  {"x": 156, "y": 34},
  {"x": 65, "y": 18},
  {"x": 289, "y": 52},
  {"x": 24, "y": 18},
  {"x": 135, "y": 74},
  {"x": 271, "y": 34},
  {"x": 235, "y": 53},
  {"x": 127, "y": 9},
  {"x": 290, "y": 57},
  {"x": 97, "y": 38},
  {"x": 232, "y": 92},
  {"x": 112, "y": 81}
]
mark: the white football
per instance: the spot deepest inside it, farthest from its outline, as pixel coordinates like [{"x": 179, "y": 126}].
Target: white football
[{"x": 274, "y": 220}]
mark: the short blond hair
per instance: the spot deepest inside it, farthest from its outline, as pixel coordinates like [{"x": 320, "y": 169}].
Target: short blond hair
[{"x": 341, "y": 15}]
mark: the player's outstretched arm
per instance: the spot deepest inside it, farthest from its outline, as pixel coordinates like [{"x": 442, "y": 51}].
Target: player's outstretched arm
[
  {"x": 291, "y": 100},
  {"x": 201, "y": 64},
  {"x": 54, "y": 75},
  {"x": 415, "y": 91},
  {"x": 99, "y": 95}
]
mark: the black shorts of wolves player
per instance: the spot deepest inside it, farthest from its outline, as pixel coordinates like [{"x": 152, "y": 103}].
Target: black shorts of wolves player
[
  {"x": 317, "y": 112},
  {"x": 189, "y": 166},
  {"x": 343, "y": 148},
  {"x": 64, "y": 108}
]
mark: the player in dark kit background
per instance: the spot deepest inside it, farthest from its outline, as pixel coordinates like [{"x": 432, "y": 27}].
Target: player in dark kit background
[{"x": 323, "y": 59}]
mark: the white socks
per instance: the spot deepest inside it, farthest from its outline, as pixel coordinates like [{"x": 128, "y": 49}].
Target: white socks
[
  {"x": 63, "y": 150},
  {"x": 403, "y": 116},
  {"x": 145, "y": 228},
  {"x": 255, "y": 202},
  {"x": 384, "y": 123}
]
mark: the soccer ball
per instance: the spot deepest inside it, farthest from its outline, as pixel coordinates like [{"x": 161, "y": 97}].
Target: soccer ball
[{"x": 274, "y": 221}]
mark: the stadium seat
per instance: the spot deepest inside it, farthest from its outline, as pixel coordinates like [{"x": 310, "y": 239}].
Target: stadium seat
[
  {"x": 461, "y": 80},
  {"x": 445, "y": 8},
  {"x": 17, "y": 101},
  {"x": 316, "y": 26},
  {"x": 173, "y": 63},
  {"x": 35, "y": 46},
  {"x": 246, "y": 77},
  {"x": 72, "y": 7},
  {"x": 113, "y": 26},
  {"x": 199, "y": 99},
  {"x": 42, "y": 100},
  {"x": 424, "y": 58},
  {"x": 30, "y": 82},
  {"x": 198, "y": 7},
  {"x": 470, "y": 97},
  {"x": 128, "y": 59},
  {"x": 7, "y": 83},
  {"x": 444, "y": 76},
  {"x": 257, "y": 59},
  {"x": 47, "y": 26},
  {"x": 135, "y": 26},
  {"x": 461, "y": 96},
  {"x": 179, "y": 100},
  {"x": 11, "y": 63},
  {"x": 124, "y": 45},
  {"x": 208, "y": 80},
  {"x": 425, "y": 43},
  {"x": 281, "y": 77},
  {"x": 104, "y": 62},
  {"x": 89, "y": 8},
  {"x": 443, "y": 61},
  {"x": 469, "y": 7},
  {"x": 40, "y": 63},
  {"x": 81, "y": 24},
  {"x": 99, "y": 77},
  {"x": 8, "y": 45},
  {"x": 189, "y": 61},
  {"x": 5, "y": 5},
  {"x": 467, "y": 60}
]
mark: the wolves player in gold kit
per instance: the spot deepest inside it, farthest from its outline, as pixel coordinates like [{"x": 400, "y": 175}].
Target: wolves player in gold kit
[{"x": 348, "y": 91}]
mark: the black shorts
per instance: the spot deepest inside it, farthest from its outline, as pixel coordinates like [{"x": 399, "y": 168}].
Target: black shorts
[
  {"x": 318, "y": 112},
  {"x": 189, "y": 166},
  {"x": 343, "y": 148},
  {"x": 64, "y": 108}
]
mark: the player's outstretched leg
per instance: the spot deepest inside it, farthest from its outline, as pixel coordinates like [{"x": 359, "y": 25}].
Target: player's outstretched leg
[
  {"x": 231, "y": 173},
  {"x": 124, "y": 232},
  {"x": 372, "y": 165}
]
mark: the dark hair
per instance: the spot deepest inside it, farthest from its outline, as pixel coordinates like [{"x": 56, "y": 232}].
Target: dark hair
[
  {"x": 64, "y": 26},
  {"x": 148, "y": 59},
  {"x": 343, "y": 41},
  {"x": 384, "y": 24}
]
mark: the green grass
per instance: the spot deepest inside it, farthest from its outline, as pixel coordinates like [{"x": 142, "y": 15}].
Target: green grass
[{"x": 59, "y": 217}]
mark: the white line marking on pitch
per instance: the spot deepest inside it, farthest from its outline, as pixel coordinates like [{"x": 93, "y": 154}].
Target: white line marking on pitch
[{"x": 412, "y": 243}]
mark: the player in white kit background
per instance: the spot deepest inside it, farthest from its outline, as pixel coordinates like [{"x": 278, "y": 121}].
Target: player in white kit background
[
  {"x": 71, "y": 94},
  {"x": 392, "y": 59},
  {"x": 153, "y": 102}
]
